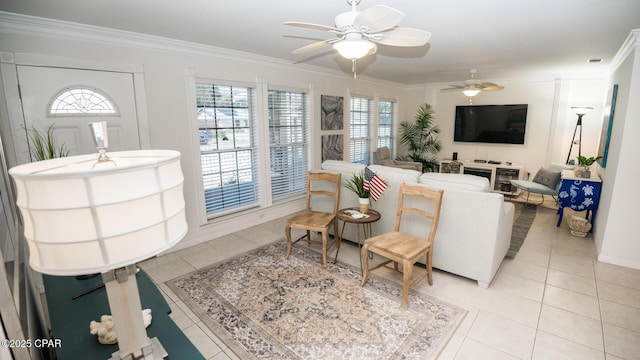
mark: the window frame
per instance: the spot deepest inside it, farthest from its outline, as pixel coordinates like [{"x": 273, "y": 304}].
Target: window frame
[
  {"x": 365, "y": 140},
  {"x": 87, "y": 92},
  {"x": 392, "y": 125},
  {"x": 253, "y": 148},
  {"x": 299, "y": 172}
]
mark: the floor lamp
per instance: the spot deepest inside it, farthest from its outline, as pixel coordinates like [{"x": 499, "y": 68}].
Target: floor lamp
[
  {"x": 97, "y": 213},
  {"x": 580, "y": 111}
]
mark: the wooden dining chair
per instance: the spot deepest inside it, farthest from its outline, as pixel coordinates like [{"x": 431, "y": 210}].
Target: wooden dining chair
[
  {"x": 317, "y": 221},
  {"x": 404, "y": 248}
]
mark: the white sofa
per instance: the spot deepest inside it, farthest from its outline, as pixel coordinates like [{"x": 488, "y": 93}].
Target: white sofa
[{"x": 474, "y": 232}]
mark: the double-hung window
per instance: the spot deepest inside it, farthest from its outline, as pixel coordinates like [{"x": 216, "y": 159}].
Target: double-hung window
[
  {"x": 288, "y": 143},
  {"x": 228, "y": 151},
  {"x": 360, "y": 123},
  {"x": 386, "y": 116}
]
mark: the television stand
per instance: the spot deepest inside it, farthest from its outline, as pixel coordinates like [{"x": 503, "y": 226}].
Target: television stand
[{"x": 499, "y": 175}]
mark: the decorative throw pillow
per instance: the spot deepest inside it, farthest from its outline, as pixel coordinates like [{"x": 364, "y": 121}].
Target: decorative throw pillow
[{"x": 547, "y": 178}]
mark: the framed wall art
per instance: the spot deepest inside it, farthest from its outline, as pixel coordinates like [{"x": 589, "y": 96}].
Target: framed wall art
[
  {"x": 332, "y": 147},
  {"x": 607, "y": 126},
  {"x": 331, "y": 117}
]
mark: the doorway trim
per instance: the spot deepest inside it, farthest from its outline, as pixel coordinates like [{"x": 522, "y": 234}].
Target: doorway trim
[{"x": 9, "y": 61}]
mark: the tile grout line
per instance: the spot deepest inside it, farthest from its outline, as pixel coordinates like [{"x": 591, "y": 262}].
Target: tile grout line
[
  {"x": 595, "y": 276},
  {"x": 544, "y": 290}
]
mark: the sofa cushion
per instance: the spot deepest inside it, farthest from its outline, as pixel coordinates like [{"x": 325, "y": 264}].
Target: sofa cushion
[
  {"x": 455, "y": 181},
  {"x": 548, "y": 178},
  {"x": 395, "y": 174},
  {"x": 342, "y": 166}
]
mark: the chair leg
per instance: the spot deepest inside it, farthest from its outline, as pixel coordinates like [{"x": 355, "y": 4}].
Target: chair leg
[
  {"x": 407, "y": 271},
  {"x": 429, "y": 270},
  {"x": 287, "y": 233},
  {"x": 324, "y": 247},
  {"x": 364, "y": 258},
  {"x": 336, "y": 239},
  {"x": 308, "y": 237}
]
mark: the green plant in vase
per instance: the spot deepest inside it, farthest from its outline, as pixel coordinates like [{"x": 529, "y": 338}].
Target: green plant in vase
[
  {"x": 585, "y": 163},
  {"x": 356, "y": 184}
]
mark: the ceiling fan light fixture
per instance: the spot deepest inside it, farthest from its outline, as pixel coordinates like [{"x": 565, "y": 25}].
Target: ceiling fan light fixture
[
  {"x": 471, "y": 92},
  {"x": 354, "y": 49}
]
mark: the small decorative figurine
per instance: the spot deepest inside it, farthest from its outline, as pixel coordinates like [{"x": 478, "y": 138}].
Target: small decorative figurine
[{"x": 105, "y": 328}]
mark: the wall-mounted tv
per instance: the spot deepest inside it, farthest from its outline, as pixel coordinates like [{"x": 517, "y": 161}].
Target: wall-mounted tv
[{"x": 498, "y": 124}]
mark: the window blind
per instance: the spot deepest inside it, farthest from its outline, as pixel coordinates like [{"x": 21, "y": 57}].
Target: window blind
[
  {"x": 288, "y": 139},
  {"x": 226, "y": 127},
  {"x": 360, "y": 120},
  {"x": 386, "y": 118}
]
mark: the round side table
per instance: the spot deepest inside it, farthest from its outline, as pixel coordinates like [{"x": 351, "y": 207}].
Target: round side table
[{"x": 366, "y": 222}]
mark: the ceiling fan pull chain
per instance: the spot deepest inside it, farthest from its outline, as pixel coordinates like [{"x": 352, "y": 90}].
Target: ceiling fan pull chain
[{"x": 353, "y": 68}]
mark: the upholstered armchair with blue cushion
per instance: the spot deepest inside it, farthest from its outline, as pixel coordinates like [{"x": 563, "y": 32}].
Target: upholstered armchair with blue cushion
[
  {"x": 546, "y": 182},
  {"x": 382, "y": 156}
]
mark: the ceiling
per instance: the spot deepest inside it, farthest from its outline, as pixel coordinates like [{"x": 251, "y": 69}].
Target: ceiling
[{"x": 501, "y": 38}]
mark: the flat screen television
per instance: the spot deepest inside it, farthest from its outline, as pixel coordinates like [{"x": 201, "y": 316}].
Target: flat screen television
[{"x": 497, "y": 124}]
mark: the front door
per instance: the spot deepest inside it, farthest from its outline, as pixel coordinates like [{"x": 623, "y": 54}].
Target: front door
[{"x": 69, "y": 99}]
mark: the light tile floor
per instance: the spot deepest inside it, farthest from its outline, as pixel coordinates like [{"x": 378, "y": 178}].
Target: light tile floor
[{"x": 553, "y": 301}]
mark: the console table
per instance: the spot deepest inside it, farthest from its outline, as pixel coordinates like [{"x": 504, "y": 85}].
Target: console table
[
  {"x": 498, "y": 174},
  {"x": 579, "y": 194},
  {"x": 70, "y": 318}
]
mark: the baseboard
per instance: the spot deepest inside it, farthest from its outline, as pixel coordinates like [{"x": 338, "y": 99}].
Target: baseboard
[{"x": 620, "y": 262}]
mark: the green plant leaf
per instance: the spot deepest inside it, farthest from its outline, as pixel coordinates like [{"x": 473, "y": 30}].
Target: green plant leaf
[
  {"x": 356, "y": 184},
  {"x": 43, "y": 146},
  {"x": 421, "y": 139}
]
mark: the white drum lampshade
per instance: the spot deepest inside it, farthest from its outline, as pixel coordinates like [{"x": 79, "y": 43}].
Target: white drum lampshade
[
  {"x": 82, "y": 216},
  {"x": 97, "y": 213}
]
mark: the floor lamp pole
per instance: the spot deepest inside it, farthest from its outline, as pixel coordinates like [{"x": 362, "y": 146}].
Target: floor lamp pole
[{"x": 579, "y": 123}]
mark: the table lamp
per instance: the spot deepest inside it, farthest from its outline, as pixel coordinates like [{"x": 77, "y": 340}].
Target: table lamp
[{"x": 104, "y": 213}]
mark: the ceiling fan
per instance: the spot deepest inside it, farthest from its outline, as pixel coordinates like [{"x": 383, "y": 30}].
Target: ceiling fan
[
  {"x": 473, "y": 86},
  {"x": 359, "y": 32}
]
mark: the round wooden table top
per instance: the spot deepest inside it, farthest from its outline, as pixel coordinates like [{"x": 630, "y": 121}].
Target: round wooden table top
[{"x": 343, "y": 216}]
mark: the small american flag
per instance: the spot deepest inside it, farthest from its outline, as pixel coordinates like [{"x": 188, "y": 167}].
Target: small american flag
[{"x": 374, "y": 184}]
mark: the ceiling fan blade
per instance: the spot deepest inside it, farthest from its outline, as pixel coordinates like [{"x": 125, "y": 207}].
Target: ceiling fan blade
[
  {"x": 402, "y": 37},
  {"x": 315, "y": 45},
  {"x": 455, "y": 88},
  {"x": 377, "y": 18},
  {"x": 310, "y": 26},
  {"x": 491, "y": 87}
]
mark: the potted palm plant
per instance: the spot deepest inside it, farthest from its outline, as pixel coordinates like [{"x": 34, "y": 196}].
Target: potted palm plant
[
  {"x": 421, "y": 138},
  {"x": 356, "y": 184}
]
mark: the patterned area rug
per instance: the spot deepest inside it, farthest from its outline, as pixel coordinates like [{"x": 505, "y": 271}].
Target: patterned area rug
[
  {"x": 520, "y": 229},
  {"x": 263, "y": 306}
]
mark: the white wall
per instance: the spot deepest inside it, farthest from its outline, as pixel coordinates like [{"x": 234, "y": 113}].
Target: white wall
[
  {"x": 616, "y": 231},
  {"x": 550, "y": 121},
  {"x": 167, "y": 65}
]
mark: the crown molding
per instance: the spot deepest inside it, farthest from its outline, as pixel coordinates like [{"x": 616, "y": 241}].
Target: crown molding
[
  {"x": 19, "y": 24},
  {"x": 627, "y": 48}
]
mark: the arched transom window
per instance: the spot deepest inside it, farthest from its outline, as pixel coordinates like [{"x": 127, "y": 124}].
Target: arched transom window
[{"x": 83, "y": 101}]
